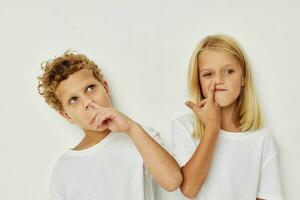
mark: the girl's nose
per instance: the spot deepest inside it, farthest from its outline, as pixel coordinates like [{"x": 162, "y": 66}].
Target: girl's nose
[{"x": 219, "y": 79}]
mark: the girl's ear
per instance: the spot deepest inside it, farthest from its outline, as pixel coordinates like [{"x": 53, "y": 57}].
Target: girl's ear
[
  {"x": 243, "y": 81},
  {"x": 66, "y": 116}
]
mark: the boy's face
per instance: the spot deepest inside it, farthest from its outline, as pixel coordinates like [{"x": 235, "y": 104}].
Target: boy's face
[{"x": 76, "y": 92}]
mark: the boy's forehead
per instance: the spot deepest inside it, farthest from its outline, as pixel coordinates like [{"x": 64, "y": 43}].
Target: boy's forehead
[{"x": 74, "y": 83}]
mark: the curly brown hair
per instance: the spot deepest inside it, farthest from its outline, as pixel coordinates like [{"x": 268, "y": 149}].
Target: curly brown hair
[{"x": 59, "y": 69}]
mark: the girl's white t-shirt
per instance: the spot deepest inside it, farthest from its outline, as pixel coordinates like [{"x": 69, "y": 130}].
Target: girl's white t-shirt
[
  {"x": 111, "y": 169},
  {"x": 244, "y": 165}
]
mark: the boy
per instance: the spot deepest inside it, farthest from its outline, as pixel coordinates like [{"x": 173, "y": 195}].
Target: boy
[{"x": 117, "y": 157}]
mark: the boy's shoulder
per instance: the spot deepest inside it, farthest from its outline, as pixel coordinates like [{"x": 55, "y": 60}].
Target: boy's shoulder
[
  {"x": 187, "y": 118},
  {"x": 152, "y": 133},
  {"x": 184, "y": 122}
]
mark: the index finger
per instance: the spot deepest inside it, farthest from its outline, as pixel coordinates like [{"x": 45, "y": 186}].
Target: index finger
[
  {"x": 211, "y": 91},
  {"x": 95, "y": 105}
]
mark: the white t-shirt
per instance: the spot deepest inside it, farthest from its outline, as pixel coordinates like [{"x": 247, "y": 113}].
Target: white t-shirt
[
  {"x": 244, "y": 165},
  {"x": 112, "y": 169}
]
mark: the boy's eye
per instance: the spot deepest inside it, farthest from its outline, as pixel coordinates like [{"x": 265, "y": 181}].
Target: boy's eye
[
  {"x": 72, "y": 99},
  {"x": 90, "y": 86}
]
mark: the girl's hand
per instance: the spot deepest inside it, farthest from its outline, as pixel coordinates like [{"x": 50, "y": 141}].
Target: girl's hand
[
  {"x": 208, "y": 111},
  {"x": 102, "y": 118}
]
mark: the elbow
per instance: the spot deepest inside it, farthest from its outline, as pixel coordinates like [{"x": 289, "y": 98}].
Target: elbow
[
  {"x": 174, "y": 182},
  {"x": 188, "y": 192}
]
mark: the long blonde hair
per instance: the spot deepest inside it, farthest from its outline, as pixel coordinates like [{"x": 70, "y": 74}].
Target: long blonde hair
[{"x": 248, "y": 113}]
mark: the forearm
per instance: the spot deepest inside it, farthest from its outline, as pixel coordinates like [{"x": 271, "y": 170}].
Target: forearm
[
  {"x": 162, "y": 166},
  {"x": 196, "y": 169}
]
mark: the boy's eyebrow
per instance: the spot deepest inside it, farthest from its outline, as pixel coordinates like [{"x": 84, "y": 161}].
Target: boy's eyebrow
[
  {"x": 203, "y": 69},
  {"x": 83, "y": 86}
]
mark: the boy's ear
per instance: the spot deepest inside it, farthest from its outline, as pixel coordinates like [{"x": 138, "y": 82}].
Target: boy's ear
[
  {"x": 105, "y": 85},
  {"x": 66, "y": 116}
]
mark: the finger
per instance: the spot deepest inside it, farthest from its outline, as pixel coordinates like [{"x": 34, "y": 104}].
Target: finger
[
  {"x": 211, "y": 92},
  {"x": 95, "y": 105},
  {"x": 202, "y": 103},
  {"x": 102, "y": 121},
  {"x": 95, "y": 122},
  {"x": 94, "y": 114},
  {"x": 191, "y": 105}
]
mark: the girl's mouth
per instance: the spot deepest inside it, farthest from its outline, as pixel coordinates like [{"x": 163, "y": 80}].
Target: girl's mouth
[{"x": 220, "y": 90}]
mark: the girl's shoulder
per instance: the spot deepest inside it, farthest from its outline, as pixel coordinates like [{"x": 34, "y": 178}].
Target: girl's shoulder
[{"x": 268, "y": 139}]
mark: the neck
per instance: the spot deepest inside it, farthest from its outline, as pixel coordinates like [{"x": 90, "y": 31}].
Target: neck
[
  {"x": 91, "y": 138},
  {"x": 228, "y": 118},
  {"x": 96, "y": 135}
]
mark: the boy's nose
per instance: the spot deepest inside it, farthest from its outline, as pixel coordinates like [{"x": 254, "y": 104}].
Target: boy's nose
[{"x": 87, "y": 106}]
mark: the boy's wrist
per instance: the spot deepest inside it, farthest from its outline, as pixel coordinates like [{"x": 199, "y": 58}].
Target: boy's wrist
[{"x": 134, "y": 127}]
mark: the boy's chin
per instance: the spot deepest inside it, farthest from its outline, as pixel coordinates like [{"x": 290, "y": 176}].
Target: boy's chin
[{"x": 96, "y": 130}]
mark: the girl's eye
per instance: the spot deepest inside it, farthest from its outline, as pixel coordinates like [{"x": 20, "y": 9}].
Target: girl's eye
[
  {"x": 90, "y": 86},
  {"x": 206, "y": 75},
  {"x": 228, "y": 71}
]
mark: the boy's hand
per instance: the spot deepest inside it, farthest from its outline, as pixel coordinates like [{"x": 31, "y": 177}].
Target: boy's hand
[
  {"x": 208, "y": 110},
  {"x": 102, "y": 118}
]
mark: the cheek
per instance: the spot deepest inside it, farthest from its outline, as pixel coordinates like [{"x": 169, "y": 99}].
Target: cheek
[
  {"x": 204, "y": 87},
  {"x": 235, "y": 85},
  {"x": 102, "y": 98},
  {"x": 79, "y": 116}
]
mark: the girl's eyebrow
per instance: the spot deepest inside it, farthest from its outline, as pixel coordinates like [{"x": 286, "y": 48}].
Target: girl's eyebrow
[{"x": 207, "y": 68}]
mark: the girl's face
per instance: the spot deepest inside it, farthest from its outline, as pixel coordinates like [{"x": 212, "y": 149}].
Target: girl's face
[{"x": 219, "y": 67}]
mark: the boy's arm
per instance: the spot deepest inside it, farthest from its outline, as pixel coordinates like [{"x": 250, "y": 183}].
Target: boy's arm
[{"x": 162, "y": 166}]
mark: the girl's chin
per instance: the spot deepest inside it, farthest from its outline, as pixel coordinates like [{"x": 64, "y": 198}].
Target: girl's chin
[{"x": 223, "y": 103}]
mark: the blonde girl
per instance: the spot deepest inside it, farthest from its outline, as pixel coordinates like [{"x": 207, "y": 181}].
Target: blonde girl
[{"x": 223, "y": 149}]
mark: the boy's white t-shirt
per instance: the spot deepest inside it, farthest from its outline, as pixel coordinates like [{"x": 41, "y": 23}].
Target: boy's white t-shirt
[
  {"x": 244, "y": 165},
  {"x": 112, "y": 169}
]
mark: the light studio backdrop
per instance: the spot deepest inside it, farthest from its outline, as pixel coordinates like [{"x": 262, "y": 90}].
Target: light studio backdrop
[{"x": 143, "y": 48}]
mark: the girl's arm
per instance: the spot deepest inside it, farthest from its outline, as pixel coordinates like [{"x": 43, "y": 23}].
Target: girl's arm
[{"x": 196, "y": 169}]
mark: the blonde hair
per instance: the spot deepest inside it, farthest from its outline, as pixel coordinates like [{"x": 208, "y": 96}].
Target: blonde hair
[
  {"x": 248, "y": 113},
  {"x": 60, "y": 68}
]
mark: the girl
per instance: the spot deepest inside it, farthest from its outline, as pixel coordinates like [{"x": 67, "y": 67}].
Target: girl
[{"x": 223, "y": 149}]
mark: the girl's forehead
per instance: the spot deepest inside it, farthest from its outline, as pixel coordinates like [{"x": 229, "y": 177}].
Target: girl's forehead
[{"x": 209, "y": 59}]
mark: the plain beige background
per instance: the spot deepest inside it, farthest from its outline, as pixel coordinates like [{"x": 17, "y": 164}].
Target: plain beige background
[{"x": 143, "y": 48}]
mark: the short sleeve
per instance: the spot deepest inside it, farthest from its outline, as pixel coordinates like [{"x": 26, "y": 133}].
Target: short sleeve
[
  {"x": 53, "y": 193},
  {"x": 149, "y": 183},
  {"x": 154, "y": 134},
  {"x": 269, "y": 184},
  {"x": 182, "y": 143}
]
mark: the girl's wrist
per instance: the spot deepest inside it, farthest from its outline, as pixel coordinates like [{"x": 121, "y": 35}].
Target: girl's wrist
[{"x": 213, "y": 127}]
